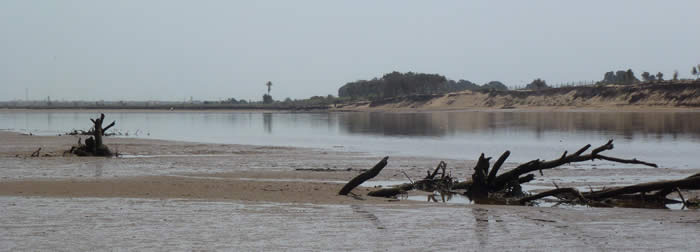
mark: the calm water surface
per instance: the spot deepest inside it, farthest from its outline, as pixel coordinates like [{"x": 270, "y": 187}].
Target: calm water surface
[{"x": 671, "y": 139}]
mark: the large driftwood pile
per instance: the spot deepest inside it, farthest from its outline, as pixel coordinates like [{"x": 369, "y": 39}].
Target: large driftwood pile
[
  {"x": 94, "y": 146},
  {"x": 487, "y": 185}
]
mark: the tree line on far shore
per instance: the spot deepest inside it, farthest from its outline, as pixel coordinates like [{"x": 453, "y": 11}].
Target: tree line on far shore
[
  {"x": 627, "y": 77},
  {"x": 396, "y": 84},
  {"x": 401, "y": 84}
]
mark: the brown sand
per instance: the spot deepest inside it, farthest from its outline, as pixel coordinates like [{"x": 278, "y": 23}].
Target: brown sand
[
  {"x": 249, "y": 184},
  {"x": 189, "y": 188}
]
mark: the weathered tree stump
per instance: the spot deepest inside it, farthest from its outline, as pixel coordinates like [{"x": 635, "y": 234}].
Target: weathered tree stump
[{"x": 94, "y": 145}]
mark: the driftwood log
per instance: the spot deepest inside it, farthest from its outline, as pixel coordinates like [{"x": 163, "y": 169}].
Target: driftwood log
[
  {"x": 555, "y": 192},
  {"x": 641, "y": 191},
  {"x": 392, "y": 191},
  {"x": 36, "y": 153},
  {"x": 94, "y": 146},
  {"x": 359, "y": 179}
]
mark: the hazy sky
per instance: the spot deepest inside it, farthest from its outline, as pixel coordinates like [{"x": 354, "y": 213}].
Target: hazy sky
[{"x": 171, "y": 50}]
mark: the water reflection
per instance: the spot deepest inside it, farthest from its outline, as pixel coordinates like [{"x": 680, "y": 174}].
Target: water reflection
[
  {"x": 438, "y": 124},
  {"x": 48, "y": 119},
  {"x": 481, "y": 225},
  {"x": 393, "y": 124},
  {"x": 267, "y": 122},
  {"x": 453, "y": 134},
  {"x": 363, "y": 213},
  {"x": 99, "y": 165},
  {"x": 443, "y": 197},
  {"x": 462, "y": 199}
]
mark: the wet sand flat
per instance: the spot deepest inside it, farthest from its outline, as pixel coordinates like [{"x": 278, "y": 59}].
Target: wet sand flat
[
  {"x": 183, "y": 196},
  {"x": 39, "y": 223},
  {"x": 175, "y": 187}
]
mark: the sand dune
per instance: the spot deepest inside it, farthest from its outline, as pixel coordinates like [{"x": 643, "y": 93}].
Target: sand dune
[{"x": 613, "y": 97}]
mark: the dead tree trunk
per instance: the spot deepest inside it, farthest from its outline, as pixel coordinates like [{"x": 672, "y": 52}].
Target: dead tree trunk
[
  {"x": 465, "y": 185},
  {"x": 371, "y": 173},
  {"x": 392, "y": 191},
  {"x": 554, "y": 192},
  {"x": 633, "y": 192},
  {"x": 99, "y": 131},
  {"x": 94, "y": 146},
  {"x": 692, "y": 182},
  {"x": 480, "y": 185}
]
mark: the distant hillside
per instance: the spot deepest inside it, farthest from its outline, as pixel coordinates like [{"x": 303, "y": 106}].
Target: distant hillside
[
  {"x": 659, "y": 94},
  {"x": 401, "y": 84}
]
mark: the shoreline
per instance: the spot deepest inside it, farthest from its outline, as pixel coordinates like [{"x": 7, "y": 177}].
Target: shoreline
[
  {"x": 625, "y": 108},
  {"x": 381, "y": 109},
  {"x": 642, "y": 97},
  {"x": 154, "y": 110},
  {"x": 668, "y": 96}
]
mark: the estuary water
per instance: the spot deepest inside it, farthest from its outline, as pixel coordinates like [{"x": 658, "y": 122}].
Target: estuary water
[{"x": 671, "y": 139}]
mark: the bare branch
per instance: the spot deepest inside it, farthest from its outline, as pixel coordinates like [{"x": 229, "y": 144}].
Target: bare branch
[
  {"x": 441, "y": 164},
  {"x": 554, "y": 192},
  {"x": 626, "y": 161},
  {"x": 108, "y": 126},
  {"x": 536, "y": 165},
  {"x": 497, "y": 166},
  {"x": 607, "y": 146},
  {"x": 580, "y": 151},
  {"x": 681, "y": 195}
]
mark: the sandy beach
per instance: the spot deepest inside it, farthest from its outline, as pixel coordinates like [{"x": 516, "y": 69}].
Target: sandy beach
[{"x": 229, "y": 182}]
